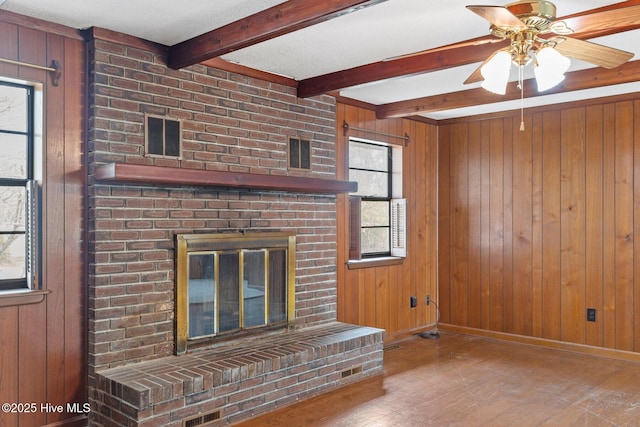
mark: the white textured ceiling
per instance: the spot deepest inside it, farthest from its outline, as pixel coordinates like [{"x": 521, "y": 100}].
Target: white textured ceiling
[
  {"x": 388, "y": 29},
  {"x": 163, "y": 21}
]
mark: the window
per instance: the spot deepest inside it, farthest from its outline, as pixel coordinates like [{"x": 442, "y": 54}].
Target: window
[
  {"x": 377, "y": 213},
  {"x": 19, "y": 217}
]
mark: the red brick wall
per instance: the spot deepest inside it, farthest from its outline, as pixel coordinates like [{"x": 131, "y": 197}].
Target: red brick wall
[{"x": 231, "y": 123}]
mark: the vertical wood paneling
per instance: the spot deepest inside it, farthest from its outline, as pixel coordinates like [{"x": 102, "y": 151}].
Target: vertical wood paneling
[
  {"x": 395, "y": 290},
  {"x": 10, "y": 361},
  {"x": 55, "y": 244},
  {"x": 557, "y": 228},
  {"x": 379, "y": 296},
  {"x": 573, "y": 225},
  {"x": 507, "y": 200},
  {"x": 369, "y": 297},
  {"x": 356, "y": 280},
  {"x": 475, "y": 223},
  {"x": 537, "y": 247},
  {"x": 459, "y": 230},
  {"x": 9, "y": 48},
  {"x": 406, "y": 318},
  {"x": 485, "y": 226},
  {"x": 43, "y": 349},
  {"x": 533, "y": 228},
  {"x": 431, "y": 226},
  {"x": 594, "y": 218},
  {"x": 522, "y": 230},
  {"x": 551, "y": 226},
  {"x": 444, "y": 222},
  {"x": 75, "y": 193},
  {"x": 382, "y": 318},
  {"x": 496, "y": 223},
  {"x": 419, "y": 200},
  {"x": 624, "y": 225},
  {"x": 609, "y": 228}
]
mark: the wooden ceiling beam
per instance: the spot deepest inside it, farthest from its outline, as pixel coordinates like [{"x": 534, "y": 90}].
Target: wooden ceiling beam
[
  {"x": 466, "y": 52},
  {"x": 604, "y": 17},
  {"x": 577, "y": 80},
  {"x": 438, "y": 59},
  {"x": 276, "y": 21},
  {"x": 221, "y": 64}
]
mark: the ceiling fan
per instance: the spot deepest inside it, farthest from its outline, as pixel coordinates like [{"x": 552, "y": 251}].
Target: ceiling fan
[{"x": 535, "y": 37}]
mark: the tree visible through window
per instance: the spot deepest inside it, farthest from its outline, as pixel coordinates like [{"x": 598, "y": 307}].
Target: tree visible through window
[{"x": 16, "y": 186}]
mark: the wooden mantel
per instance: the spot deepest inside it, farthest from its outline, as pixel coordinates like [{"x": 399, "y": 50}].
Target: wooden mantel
[{"x": 146, "y": 174}]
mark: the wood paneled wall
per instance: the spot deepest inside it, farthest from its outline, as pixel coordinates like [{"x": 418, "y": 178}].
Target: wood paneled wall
[
  {"x": 42, "y": 346},
  {"x": 537, "y": 226},
  {"x": 379, "y": 296}
]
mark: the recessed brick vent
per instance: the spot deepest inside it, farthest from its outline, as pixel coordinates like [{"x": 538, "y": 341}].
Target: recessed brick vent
[
  {"x": 240, "y": 380},
  {"x": 299, "y": 154},
  {"x": 352, "y": 371},
  {"x": 391, "y": 347},
  {"x": 202, "y": 420}
]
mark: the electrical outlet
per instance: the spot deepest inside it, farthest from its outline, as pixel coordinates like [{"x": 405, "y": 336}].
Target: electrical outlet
[
  {"x": 428, "y": 299},
  {"x": 413, "y": 302},
  {"x": 591, "y": 314}
]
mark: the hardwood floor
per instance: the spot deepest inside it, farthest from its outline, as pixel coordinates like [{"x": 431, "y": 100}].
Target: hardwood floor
[{"x": 462, "y": 380}]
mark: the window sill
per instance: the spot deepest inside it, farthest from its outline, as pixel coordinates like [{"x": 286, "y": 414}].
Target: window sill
[
  {"x": 374, "y": 262},
  {"x": 22, "y": 297}
]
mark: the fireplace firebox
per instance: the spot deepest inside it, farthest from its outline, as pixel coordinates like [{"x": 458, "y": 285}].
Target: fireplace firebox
[{"x": 232, "y": 284}]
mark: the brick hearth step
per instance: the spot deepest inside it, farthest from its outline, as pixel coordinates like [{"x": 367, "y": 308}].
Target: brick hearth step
[{"x": 238, "y": 380}]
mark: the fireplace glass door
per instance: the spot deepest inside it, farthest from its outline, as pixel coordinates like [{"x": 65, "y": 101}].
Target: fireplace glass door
[
  {"x": 235, "y": 303},
  {"x": 234, "y": 289}
]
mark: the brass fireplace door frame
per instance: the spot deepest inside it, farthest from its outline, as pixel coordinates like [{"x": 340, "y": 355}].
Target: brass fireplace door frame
[{"x": 186, "y": 243}]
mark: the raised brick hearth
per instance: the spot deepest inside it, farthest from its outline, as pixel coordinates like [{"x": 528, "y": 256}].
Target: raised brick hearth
[{"x": 236, "y": 382}]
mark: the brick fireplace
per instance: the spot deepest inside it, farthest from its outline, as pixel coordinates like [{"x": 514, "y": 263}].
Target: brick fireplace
[{"x": 240, "y": 127}]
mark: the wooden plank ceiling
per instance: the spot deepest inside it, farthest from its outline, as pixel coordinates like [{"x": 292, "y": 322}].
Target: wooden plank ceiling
[{"x": 297, "y": 14}]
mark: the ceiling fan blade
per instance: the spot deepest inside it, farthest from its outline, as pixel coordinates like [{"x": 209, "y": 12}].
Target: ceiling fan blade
[
  {"x": 607, "y": 19},
  {"x": 498, "y": 16},
  {"x": 593, "y": 53},
  {"x": 475, "y": 76}
]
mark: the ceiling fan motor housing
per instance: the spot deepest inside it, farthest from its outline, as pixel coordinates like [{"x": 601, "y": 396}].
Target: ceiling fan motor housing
[
  {"x": 535, "y": 8},
  {"x": 537, "y": 16}
]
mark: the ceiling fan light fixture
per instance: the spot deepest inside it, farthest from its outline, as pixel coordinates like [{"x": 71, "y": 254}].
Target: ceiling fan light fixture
[
  {"x": 547, "y": 81},
  {"x": 496, "y": 73},
  {"x": 550, "y": 68}
]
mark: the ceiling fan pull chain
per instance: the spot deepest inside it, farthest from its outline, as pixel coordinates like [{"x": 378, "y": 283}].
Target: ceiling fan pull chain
[{"x": 521, "y": 86}]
